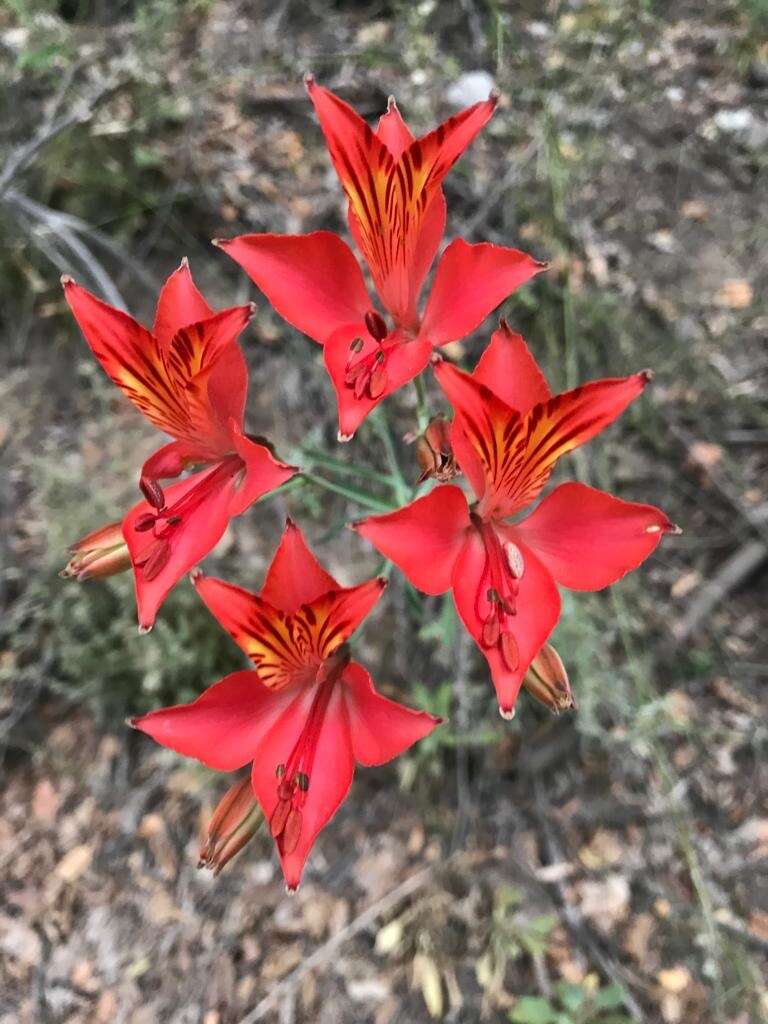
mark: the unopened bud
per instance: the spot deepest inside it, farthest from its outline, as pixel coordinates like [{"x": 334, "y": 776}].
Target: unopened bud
[
  {"x": 434, "y": 453},
  {"x": 235, "y": 821},
  {"x": 547, "y": 681},
  {"x": 98, "y": 555}
]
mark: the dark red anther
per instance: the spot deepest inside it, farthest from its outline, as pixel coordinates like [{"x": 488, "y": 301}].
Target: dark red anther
[
  {"x": 491, "y": 630},
  {"x": 377, "y": 327},
  {"x": 280, "y": 771},
  {"x": 154, "y": 560},
  {"x": 509, "y": 651},
  {"x": 361, "y": 383},
  {"x": 285, "y": 788},
  {"x": 302, "y": 781},
  {"x": 378, "y": 381},
  {"x": 173, "y": 520},
  {"x": 153, "y": 492},
  {"x": 279, "y": 817},
  {"x": 357, "y": 345},
  {"x": 291, "y": 831},
  {"x": 145, "y": 522}
]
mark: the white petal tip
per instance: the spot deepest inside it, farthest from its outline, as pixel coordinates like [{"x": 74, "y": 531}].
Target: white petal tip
[
  {"x": 507, "y": 713},
  {"x": 344, "y": 438},
  {"x": 143, "y": 630},
  {"x": 291, "y": 890}
]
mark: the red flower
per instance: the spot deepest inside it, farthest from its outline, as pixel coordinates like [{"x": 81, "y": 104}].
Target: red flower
[
  {"x": 307, "y": 713},
  {"x": 396, "y": 219},
  {"x": 189, "y": 378},
  {"x": 507, "y": 435}
]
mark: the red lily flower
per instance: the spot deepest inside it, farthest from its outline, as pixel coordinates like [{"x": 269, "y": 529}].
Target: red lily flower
[
  {"x": 507, "y": 435},
  {"x": 307, "y": 713},
  {"x": 189, "y": 378},
  {"x": 396, "y": 219}
]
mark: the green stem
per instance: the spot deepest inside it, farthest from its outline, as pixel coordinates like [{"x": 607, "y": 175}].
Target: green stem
[
  {"x": 397, "y": 481},
  {"x": 361, "y": 497},
  {"x": 422, "y": 403},
  {"x": 337, "y": 466}
]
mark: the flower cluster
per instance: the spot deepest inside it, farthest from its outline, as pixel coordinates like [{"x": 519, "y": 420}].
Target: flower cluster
[{"x": 307, "y": 712}]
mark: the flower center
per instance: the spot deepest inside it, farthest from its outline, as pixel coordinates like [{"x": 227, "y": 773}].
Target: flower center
[
  {"x": 497, "y": 591},
  {"x": 367, "y": 375},
  {"x": 295, "y": 774},
  {"x": 165, "y": 523}
]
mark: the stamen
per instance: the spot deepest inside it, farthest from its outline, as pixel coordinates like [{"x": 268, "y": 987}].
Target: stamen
[
  {"x": 515, "y": 559},
  {"x": 154, "y": 559},
  {"x": 377, "y": 327},
  {"x": 153, "y": 492}
]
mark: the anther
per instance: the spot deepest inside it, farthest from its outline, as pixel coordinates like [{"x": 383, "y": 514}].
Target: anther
[
  {"x": 145, "y": 522},
  {"x": 155, "y": 560},
  {"x": 289, "y": 839},
  {"x": 280, "y": 771},
  {"x": 153, "y": 492},
  {"x": 377, "y": 327},
  {"x": 510, "y": 652},
  {"x": 357, "y": 345},
  {"x": 515, "y": 559},
  {"x": 302, "y": 781},
  {"x": 377, "y": 381},
  {"x": 491, "y": 630},
  {"x": 279, "y": 817}
]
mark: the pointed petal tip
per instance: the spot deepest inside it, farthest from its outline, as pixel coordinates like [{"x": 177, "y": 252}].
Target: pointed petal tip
[
  {"x": 309, "y": 81},
  {"x": 184, "y": 265},
  {"x": 291, "y": 890},
  {"x": 195, "y": 576},
  {"x": 494, "y": 96},
  {"x": 674, "y": 530},
  {"x": 391, "y": 103},
  {"x": 383, "y": 582},
  {"x": 145, "y": 627},
  {"x": 66, "y": 280},
  {"x": 506, "y": 713},
  {"x": 436, "y": 358},
  {"x": 344, "y": 438},
  {"x": 131, "y": 721},
  {"x": 647, "y": 375},
  {"x": 221, "y": 243},
  {"x": 252, "y": 308}
]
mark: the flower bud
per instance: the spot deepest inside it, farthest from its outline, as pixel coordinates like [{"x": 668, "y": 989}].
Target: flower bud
[
  {"x": 235, "y": 822},
  {"x": 547, "y": 681},
  {"x": 97, "y": 555},
  {"x": 434, "y": 453}
]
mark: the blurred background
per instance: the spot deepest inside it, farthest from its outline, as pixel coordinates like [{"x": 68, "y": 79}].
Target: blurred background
[{"x": 601, "y": 867}]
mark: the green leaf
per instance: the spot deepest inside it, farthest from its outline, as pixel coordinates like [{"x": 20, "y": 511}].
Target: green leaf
[
  {"x": 570, "y": 995},
  {"x": 609, "y": 998},
  {"x": 533, "y": 1010}
]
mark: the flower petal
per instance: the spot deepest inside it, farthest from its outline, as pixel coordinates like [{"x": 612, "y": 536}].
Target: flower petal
[
  {"x": 389, "y": 197},
  {"x": 424, "y": 538},
  {"x": 179, "y": 304},
  {"x": 130, "y": 356},
  {"x": 393, "y": 131},
  {"x": 470, "y": 282},
  {"x": 589, "y": 539},
  {"x": 262, "y": 473},
  {"x": 313, "y": 281},
  {"x": 515, "y": 455},
  {"x": 508, "y": 369},
  {"x": 295, "y": 577},
  {"x": 224, "y": 727},
  {"x": 405, "y": 359},
  {"x": 190, "y": 540},
  {"x": 380, "y": 729},
  {"x": 288, "y": 647},
  {"x": 538, "y": 609},
  {"x": 330, "y": 780}
]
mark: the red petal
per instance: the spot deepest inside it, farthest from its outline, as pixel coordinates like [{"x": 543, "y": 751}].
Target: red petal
[
  {"x": 393, "y": 131},
  {"x": 406, "y": 358},
  {"x": 470, "y": 282},
  {"x": 589, "y": 539},
  {"x": 538, "y": 609},
  {"x": 508, "y": 369},
  {"x": 295, "y": 576},
  {"x": 179, "y": 304},
  {"x": 262, "y": 474},
  {"x": 193, "y": 538},
  {"x": 482, "y": 431},
  {"x": 388, "y": 196},
  {"x": 224, "y": 727},
  {"x": 287, "y": 648},
  {"x": 130, "y": 357},
  {"x": 380, "y": 728},
  {"x": 167, "y": 462},
  {"x": 330, "y": 779},
  {"x": 508, "y": 459},
  {"x": 424, "y": 538},
  {"x": 313, "y": 281}
]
